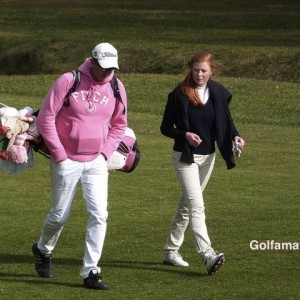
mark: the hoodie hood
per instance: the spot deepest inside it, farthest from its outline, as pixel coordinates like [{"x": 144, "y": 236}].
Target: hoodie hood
[{"x": 84, "y": 68}]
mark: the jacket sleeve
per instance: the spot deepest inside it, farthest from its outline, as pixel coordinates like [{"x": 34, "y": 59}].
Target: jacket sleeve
[
  {"x": 118, "y": 124},
  {"x": 47, "y": 115},
  {"x": 169, "y": 124},
  {"x": 224, "y": 126},
  {"x": 234, "y": 131}
]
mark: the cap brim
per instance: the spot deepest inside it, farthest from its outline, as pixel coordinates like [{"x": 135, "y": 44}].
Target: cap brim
[{"x": 107, "y": 63}]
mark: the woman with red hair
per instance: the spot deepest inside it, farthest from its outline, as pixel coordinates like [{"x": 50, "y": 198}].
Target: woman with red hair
[{"x": 197, "y": 117}]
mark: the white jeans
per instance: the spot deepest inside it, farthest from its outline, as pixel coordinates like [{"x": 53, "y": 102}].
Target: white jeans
[
  {"x": 193, "y": 179},
  {"x": 64, "y": 178}
]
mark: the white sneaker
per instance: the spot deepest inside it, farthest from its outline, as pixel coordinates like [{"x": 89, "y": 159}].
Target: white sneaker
[
  {"x": 214, "y": 262},
  {"x": 172, "y": 257}
]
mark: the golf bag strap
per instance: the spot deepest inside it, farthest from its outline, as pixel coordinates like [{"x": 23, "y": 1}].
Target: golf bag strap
[
  {"x": 115, "y": 88},
  {"x": 76, "y": 76}
]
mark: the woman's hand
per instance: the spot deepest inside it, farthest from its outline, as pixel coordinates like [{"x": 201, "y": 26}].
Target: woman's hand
[
  {"x": 193, "y": 139},
  {"x": 239, "y": 142}
]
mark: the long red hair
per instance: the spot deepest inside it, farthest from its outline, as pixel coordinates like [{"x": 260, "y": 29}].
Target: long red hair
[{"x": 188, "y": 86}]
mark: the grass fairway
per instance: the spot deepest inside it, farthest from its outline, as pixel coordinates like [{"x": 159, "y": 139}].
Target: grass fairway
[
  {"x": 255, "y": 39},
  {"x": 258, "y": 43},
  {"x": 258, "y": 200}
]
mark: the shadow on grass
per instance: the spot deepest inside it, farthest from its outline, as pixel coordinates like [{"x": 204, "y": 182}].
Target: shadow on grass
[
  {"x": 138, "y": 265},
  {"x": 34, "y": 279},
  {"x": 152, "y": 266},
  {"x": 38, "y": 281},
  {"x": 14, "y": 258}
]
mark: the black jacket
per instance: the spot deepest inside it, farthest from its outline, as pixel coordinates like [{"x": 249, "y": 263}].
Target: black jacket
[{"x": 176, "y": 114}]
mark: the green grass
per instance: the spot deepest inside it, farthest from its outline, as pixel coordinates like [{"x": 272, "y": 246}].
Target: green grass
[
  {"x": 258, "y": 44},
  {"x": 258, "y": 200},
  {"x": 255, "y": 39}
]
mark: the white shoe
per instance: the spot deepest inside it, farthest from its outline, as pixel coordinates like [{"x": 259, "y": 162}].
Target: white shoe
[
  {"x": 214, "y": 262},
  {"x": 172, "y": 257}
]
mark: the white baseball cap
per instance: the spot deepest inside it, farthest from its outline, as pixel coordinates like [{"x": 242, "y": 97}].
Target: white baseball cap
[{"x": 106, "y": 55}]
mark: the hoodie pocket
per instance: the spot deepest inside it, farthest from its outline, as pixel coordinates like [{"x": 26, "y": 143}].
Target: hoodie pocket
[{"x": 87, "y": 138}]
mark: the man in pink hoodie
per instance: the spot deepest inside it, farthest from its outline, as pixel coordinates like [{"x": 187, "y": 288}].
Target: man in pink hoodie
[{"x": 81, "y": 133}]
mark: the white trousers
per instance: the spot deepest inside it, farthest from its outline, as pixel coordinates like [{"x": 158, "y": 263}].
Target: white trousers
[
  {"x": 94, "y": 179},
  {"x": 193, "y": 179}
]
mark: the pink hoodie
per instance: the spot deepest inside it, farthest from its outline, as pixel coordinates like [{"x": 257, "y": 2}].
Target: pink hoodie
[{"x": 94, "y": 122}]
